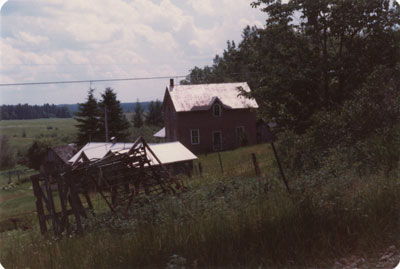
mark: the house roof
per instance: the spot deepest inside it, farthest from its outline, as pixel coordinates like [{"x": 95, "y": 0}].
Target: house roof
[
  {"x": 202, "y": 96},
  {"x": 165, "y": 152},
  {"x": 160, "y": 133}
]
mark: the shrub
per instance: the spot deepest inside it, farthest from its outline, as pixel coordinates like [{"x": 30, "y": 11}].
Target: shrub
[{"x": 7, "y": 159}]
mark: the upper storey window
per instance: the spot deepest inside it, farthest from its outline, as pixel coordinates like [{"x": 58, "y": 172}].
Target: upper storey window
[{"x": 217, "y": 110}]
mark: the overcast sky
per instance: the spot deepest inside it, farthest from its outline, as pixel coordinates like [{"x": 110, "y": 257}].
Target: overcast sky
[{"x": 58, "y": 40}]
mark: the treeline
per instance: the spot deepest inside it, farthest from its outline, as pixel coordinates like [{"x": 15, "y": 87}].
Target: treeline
[
  {"x": 126, "y": 107},
  {"x": 327, "y": 72},
  {"x": 27, "y": 112}
]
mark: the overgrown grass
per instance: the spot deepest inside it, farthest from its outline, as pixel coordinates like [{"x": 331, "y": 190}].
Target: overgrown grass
[{"x": 222, "y": 221}]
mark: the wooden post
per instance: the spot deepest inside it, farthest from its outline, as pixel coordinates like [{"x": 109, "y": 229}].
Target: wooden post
[
  {"x": 64, "y": 214},
  {"x": 39, "y": 203},
  {"x": 87, "y": 197},
  {"x": 255, "y": 163},
  {"x": 200, "y": 169},
  {"x": 52, "y": 210},
  {"x": 280, "y": 167},
  {"x": 9, "y": 177},
  {"x": 18, "y": 175},
  {"x": 74, "y": 204},
  {"x": 220, "y": 162}
]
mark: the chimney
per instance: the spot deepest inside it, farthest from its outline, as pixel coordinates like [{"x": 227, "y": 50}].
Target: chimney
[{"x": 171, "y": 84}]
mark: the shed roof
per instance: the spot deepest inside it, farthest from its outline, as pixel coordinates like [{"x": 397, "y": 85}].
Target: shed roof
[
  {"x": 165, "y": 152},
  {"x": 160, "y": 133},
  {"x": 202, "y": 96},
  {"x": 65, "y": 152}
]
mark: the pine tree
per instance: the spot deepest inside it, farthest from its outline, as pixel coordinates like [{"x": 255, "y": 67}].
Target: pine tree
[
  {"x": 117, "y": 123},
  {"x": 138, "y": 116},
  {"x": 88, "y": 121},
  {"x": 154, "y": 115}
]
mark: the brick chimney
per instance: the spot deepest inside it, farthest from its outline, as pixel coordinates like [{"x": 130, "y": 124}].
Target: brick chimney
[{"x": 171, "y": 84}]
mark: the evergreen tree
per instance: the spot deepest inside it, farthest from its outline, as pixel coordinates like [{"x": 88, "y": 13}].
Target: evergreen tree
[
  {"x": 154, "y": 115},
  {"x": 138, "y": 115},
  {"x": 117, "y": 123},
  {"x": 88, "y": 121}
]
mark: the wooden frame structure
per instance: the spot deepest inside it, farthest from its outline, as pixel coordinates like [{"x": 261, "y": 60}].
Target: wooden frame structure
[{"x": 119, "y": 176}]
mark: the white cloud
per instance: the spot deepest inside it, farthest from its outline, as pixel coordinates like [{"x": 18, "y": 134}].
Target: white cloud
[{"x": 54, "y": 40}]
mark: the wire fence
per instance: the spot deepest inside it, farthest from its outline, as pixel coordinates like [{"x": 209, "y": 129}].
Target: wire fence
[
  {"x": 16, "y": 176},
  {"x": 248, "y": 165}
]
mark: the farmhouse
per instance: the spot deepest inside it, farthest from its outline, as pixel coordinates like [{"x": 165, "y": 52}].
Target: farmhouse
[{"x": 209, "y": 117}]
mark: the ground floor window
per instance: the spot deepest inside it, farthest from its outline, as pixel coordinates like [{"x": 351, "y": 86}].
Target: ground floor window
[
  {"x": 195, "y": 136},
  {"x": 217, "y": 140},
  {"x": 241, "y": 138}
]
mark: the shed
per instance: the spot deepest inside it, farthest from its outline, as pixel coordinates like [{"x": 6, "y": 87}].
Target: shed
[{"x": 175, "y": 156}]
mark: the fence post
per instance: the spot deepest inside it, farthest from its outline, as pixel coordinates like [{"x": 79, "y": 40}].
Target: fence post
[
  {"x": 18, "y": 175},
  {"x": 255, "y": 163},
  {"x": 9, "y": 177},
  {"x": 39, "y": 203},
  {"x": 280, "y": 167},
  {"x": 220, "y": 162},
  {"x": 200, "y": 169}
]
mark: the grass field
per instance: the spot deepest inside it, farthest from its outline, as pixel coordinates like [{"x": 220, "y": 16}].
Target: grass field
[
  {"x": 229, "y": 218},
  {"x": 23, "y": 132}
]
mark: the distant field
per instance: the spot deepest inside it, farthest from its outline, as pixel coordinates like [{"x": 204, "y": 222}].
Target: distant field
[{"x": 23, "y": 132}]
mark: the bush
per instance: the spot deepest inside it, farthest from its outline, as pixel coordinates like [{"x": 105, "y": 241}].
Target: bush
[
  {"x": 37, "y": 152},
  {"x": 7, "y": 158}
]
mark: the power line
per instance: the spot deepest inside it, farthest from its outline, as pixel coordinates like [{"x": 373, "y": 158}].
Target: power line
[{"x": 88, "y": 81}]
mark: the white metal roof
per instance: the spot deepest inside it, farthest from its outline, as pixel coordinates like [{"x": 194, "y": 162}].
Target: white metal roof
[
  {"x": 165, "y": 152},
  {"x": 97, "y": 150},
  {"x": 160, "y": 133},
  {"x": 170, "y": 153},
  {"x": 202, "y": 96}
]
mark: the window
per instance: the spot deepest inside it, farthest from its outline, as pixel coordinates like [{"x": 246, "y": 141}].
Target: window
[
  {"x": 240, "y": 135},
  {"x": 194, "y": 136},
  {"x": 217, "y": 110},
  {"x": 217, "y": 140}
]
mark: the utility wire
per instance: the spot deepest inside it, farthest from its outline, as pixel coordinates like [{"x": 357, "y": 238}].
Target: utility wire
[
  {"x": 111, "y": 79},
  {"x": 88, "y": 81}
]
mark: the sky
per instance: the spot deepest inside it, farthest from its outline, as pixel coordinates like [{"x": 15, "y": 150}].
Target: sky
[{"x": 58, "y": 40}]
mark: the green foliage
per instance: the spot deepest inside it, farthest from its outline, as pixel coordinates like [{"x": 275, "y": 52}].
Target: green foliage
[
  {"x": 310, "y": 56},
  {"x": 7, "y": 158},
  {"x": 117, "y": 123},
  {"x": 37, "y": 152}
]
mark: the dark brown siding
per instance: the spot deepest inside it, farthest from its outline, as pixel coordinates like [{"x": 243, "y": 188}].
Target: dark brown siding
[
  {"x": 170, "y": 119},
  {"x": 207, "y": 124}
]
